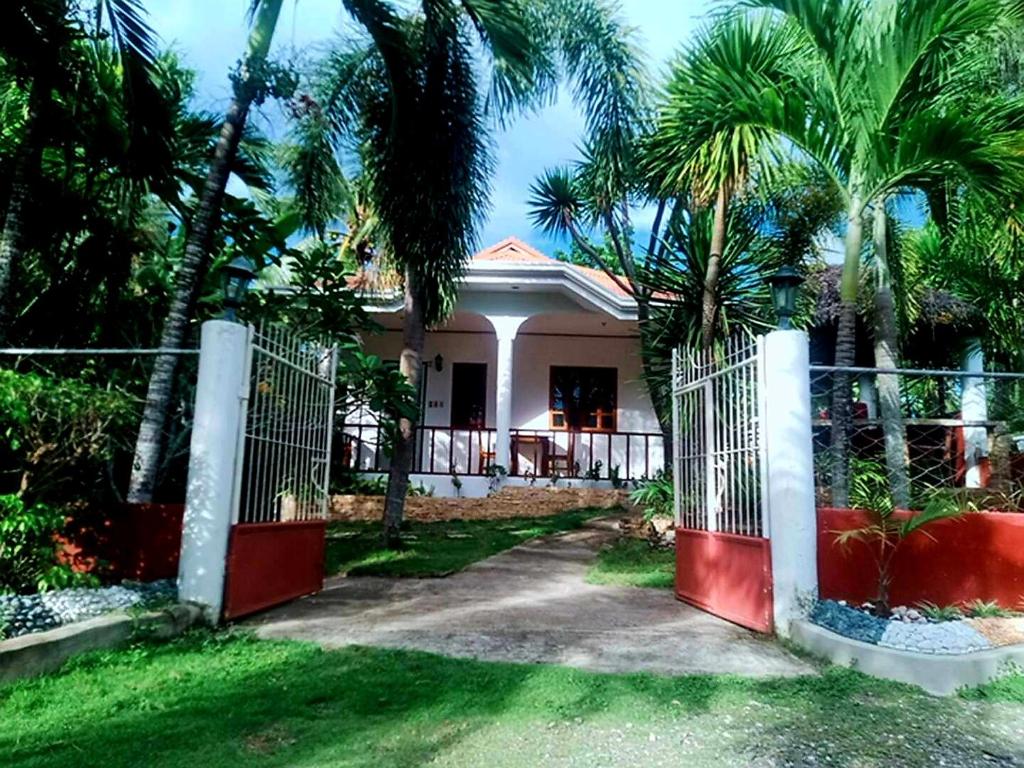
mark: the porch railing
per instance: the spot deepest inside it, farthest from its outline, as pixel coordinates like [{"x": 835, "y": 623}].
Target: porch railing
[
  {"x": 534, "y": 452},
  {"x": 439, "y": 450},
  {"x": 593, "y": 455}
]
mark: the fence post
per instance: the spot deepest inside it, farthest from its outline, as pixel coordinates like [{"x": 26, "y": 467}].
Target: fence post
[
  {"x": 789, "y": 457},
  {"x": 974, "y": 414},
  {"x": 221, "y": 388}
]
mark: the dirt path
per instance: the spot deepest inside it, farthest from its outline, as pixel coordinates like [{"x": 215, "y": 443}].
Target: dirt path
[{"x": 532, "y": 604}]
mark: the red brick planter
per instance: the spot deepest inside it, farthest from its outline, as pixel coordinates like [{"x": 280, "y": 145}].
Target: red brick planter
[
  {"x": 979, "y": 556},
  {"x": 137, "y": 541}
]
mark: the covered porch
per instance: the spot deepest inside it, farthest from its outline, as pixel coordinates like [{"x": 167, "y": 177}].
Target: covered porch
[{"x": 534, "y": 375}]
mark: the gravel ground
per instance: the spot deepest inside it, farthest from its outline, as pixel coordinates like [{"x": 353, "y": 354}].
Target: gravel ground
[{"x": 24, "y": 614}]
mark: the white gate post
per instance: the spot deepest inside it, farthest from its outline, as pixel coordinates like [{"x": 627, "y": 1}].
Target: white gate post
[
  {"x": 789, "y": 458},
  {"x": 974, "y": 410},
  {"x": 221, "y": 392}
]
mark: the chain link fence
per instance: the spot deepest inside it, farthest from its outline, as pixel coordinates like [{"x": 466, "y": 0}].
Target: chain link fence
[
  {"x": 930, "y": 430},
  {"x": 70, "y": 417}
]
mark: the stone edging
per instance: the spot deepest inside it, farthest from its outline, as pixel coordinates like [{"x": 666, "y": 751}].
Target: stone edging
[
  {"x": 42, "y": 652},
  {"x": 938, "y": 674}
]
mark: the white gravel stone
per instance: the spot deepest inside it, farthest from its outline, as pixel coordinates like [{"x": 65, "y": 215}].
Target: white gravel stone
[
  {"x": 947, "y": 637},
  {"x": 24, "y": 614}
]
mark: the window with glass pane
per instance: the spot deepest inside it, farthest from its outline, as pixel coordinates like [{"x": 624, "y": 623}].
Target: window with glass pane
[{"x": 583, "y": 399}]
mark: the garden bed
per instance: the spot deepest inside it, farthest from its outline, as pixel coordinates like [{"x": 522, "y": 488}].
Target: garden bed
[
  {"x": 508, "y": 503},
  {"x": 909, "y": 629},
  {"x": 27, "y": 614}
]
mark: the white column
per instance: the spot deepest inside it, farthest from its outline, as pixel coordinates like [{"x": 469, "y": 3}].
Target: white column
[
  {"x": 505, "y": 328},
  {"x": 789, "y": 458},
  {"x": 210, "y": 500},
  {"x": 868, "y": 393},
  {"x": 974, "y": 408}
]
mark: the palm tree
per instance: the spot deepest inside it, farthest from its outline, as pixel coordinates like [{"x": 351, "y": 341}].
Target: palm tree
[
  {"x": 39, "y": 41},
  {"x": 416, "y": 100},
  {"x": 572, "y": 201},
  {"x": 253, "y": 81},
  {"x": 862, "y": 90},
  {"x": 612, "y": 89},
  {"x": 681, "y": 161},
  {"x": 766, "y": 231},
  {"x": 412, "y": 96}
]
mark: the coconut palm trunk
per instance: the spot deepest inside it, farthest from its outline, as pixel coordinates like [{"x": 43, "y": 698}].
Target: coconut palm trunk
[
  {"x": 194, "y": 264},
  {"x": 846, "y": 355},
  {"x": 709, "y": 318},
  {"x": 887, "y": 357},
  {"x": 411, "y": 367},
  {"x": 26, "y": 163}
]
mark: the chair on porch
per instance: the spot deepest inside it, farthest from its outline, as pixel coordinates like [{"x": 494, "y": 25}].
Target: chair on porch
[
  {"x": 485, "y": 455},
  {"x": 562, "y": 463}
]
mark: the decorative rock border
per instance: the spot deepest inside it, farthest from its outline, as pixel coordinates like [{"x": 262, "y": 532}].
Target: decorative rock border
[
  {"x": 941, "y": 674},
  {"x": 25, "y": 614},
  {"x": 42, "y": 652},
  {"x": 958, "y": 636}
]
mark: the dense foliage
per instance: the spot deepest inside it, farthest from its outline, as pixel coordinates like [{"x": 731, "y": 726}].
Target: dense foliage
[{"x": 778, "y": 123}]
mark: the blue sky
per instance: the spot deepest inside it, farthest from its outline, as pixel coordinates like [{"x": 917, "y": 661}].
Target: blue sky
[{"x": 210, "y": 34}]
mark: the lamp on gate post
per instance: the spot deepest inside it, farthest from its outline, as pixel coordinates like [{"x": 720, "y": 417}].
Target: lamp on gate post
[
  {"x": 238, "y": 276},
  {"x": 785, "y": 285}
]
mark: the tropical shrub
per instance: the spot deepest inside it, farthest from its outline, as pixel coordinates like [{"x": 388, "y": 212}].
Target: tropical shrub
[
  {"x": 884, "y": 534},
  {"x": 347, "y": 481},
  {"x": 935, "y": 612},
  {"x": 28, "y": 548},
  {"x": 982, "y": 609},
  {"x": 59, "y": 436},
  {"x": 654, "y": 496}
]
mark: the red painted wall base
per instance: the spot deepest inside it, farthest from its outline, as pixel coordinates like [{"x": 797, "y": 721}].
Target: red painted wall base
[
  {"x": 272, "y": 563},
  {"x": 979, "y": 556},
  {"x": 727, "y": 575},
  {"x": 138, "y": 541}
]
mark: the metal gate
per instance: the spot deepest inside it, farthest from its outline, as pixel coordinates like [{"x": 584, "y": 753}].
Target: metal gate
[
  {"x": 723, "y": 555},
  {"x": 276, "y": 550},
  {"x": 289, "y": 420}
]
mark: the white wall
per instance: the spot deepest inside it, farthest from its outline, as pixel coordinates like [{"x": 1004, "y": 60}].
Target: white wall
[
  {"x": 543, "y": 342},
  {"x": 454, "y": 347}
]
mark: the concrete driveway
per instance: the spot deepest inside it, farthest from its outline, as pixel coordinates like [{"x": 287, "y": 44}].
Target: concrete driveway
[{"x": 531, "y": 604}]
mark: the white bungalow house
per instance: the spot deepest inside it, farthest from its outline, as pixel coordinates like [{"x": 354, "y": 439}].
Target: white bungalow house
[{"x": 537, "y": 372}]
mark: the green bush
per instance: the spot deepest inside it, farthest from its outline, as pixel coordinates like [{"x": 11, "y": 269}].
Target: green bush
[
  {"x": 654, "y": 496},
  {"x": 59, "y": 436},
  {"x": 28, "y": 560}
]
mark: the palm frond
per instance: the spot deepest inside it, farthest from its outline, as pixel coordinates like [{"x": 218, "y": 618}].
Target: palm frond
[
  {"x": 555, "y": 201},
  {"x": 522, "y": 70},
  {"x": 609, "y": 83},
  {"x": 129, "y": 30}
]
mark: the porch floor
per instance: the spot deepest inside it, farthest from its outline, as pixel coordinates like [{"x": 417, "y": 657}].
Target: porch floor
[{"x": 532, "y": 604}]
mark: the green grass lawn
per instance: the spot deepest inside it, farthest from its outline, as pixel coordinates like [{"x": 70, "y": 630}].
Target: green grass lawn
[
  {"x": 633, "y": 562},
  {"x": 437, "y": 549},
  {"x": 212, "y": 701}
]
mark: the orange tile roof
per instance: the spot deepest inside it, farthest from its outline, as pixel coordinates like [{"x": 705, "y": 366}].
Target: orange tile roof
[{"x": 514, "y": 250}]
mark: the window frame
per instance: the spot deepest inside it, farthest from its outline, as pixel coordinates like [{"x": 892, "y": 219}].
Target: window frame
[{"x": 599, "y": 415}]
